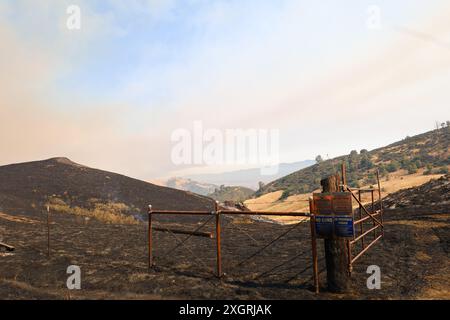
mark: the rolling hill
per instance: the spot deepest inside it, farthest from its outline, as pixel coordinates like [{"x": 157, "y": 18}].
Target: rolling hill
[
  {"x": 25, "y": 188},
  {"x": 427, "y": 154}
]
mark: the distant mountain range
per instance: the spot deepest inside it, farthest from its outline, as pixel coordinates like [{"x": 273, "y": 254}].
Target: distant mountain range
[{"x": 249, "y": 178}]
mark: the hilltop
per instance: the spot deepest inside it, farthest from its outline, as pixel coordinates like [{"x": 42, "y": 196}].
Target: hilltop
[
  {"x": 27, "y": 187},
  {"x": 186, "y": 184},
  {"x": 233, "y": 193}
]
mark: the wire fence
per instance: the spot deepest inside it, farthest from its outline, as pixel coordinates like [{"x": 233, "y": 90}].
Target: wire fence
[{"x": 251, "y": 251}]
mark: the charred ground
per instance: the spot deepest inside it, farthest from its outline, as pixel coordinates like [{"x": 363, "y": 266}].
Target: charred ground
[{"x": 414, "y": 260}]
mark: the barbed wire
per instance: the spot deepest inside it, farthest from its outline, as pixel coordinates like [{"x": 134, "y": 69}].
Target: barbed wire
[
  {"x": 265, "y": 247},
  {"x": 280, "y": 265},
  {"x": 240, "y": 229},
  {"x": 188, "y": 237}
]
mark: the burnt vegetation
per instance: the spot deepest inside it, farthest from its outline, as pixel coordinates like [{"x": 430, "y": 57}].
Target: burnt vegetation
[{"x": 26, "y": 188}]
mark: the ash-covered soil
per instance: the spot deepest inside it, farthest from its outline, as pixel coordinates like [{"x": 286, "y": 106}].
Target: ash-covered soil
[{"x": 413, "y": 257}]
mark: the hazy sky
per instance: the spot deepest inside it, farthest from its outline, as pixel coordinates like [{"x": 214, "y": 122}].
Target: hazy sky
[{"x": 110, "y": 94}]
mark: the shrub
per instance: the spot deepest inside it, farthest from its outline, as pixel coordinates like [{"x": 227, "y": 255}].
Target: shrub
[
  {"x": 443, "y": 170},
  {"x": 285, "y": 195},
  {"x": 412, "y": 168},
  {"x": 393, "y": 166}
]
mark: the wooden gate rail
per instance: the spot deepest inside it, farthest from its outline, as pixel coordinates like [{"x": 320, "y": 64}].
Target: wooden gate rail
[{"x": 6, "y": 246}]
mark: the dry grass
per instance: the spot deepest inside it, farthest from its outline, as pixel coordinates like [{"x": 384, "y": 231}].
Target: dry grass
[
  {"x": 113, "y": 213},
  {"x": 16, "y": 219},
  {"x": 399, "y": 180},
  {"x": 270, "y": 202},
  {"x": 393, "y": 183}
]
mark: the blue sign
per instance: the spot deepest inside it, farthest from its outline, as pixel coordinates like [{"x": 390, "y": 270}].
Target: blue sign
[
  {"x": 324, "y": 226},
  {"x": 334, "y": 226},
  {"x": 343, "y": 226}
]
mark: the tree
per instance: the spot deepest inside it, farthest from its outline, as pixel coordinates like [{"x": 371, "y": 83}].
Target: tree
[
  {"x": 418, "y": 164},
  {"x": 412, "y": 168},
  {"x": 371, "y": 179},
  {"x": 353, "y": 160},
  {"x": 261, "y": 185},
  {"x": 393, "y": 166},
  {"x": 382, "y": 170},
  {"x": 405, "y": 163},
  {"x": 429, "y": 170},
  {"x": 365, "y": 162},
  {"x": 442, "y": 170},
  {"x": 285, "y": 194},
  {"x": 319, "y": 159}
]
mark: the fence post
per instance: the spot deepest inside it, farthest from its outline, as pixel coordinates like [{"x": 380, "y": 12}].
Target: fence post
[
  {"x": 380, "y": 199},
  {"x": 48, "y": 231},
  {"x": 336, "y": 249},
  {"x": 218, "y": 244},
  {"x": 314, "y": 246},
  {"x": 150, "y": 238},
  {"x": 361, "y": 225}
]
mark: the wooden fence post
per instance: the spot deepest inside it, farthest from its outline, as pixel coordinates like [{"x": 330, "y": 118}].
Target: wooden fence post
[
  {"x": 314, "y": 246},
  {"x": 48, "y": 231},
  {"x": 150, "y": 238},
  {"x": 336, "y": 250},
  {"x": 218, "y": 239}
]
